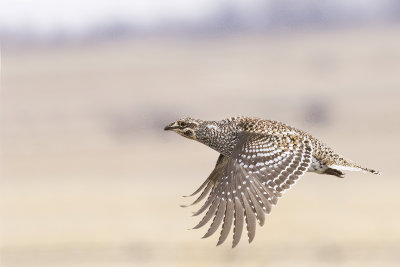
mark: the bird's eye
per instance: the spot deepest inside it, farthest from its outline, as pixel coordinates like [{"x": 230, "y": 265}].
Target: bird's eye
[
  {"x": 188, "y": 133},
  {"x": 183, "y": 124}
]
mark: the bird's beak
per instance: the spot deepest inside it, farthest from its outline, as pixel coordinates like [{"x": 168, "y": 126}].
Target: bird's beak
[{"x": 172, "y": 126}]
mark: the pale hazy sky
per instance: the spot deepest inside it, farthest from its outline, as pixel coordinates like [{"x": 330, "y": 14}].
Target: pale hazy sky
[
  {"x": 74, "y": 15},
  {"x": 48, "y": 16}
]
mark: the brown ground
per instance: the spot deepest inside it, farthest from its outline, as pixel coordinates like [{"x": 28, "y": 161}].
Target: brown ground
[{"x": 90, "y": 179}]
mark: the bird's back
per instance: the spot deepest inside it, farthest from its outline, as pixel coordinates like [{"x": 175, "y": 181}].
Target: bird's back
[{"x": 324, "y": 158}]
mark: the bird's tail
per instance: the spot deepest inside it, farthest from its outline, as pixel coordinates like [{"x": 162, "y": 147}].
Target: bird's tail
[
  {"x": 353, "y": 167},
  {"x": 370, "y": 170}
]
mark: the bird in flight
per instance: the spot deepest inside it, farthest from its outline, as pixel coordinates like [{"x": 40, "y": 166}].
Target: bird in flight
[{"x": 259, "y": 160}]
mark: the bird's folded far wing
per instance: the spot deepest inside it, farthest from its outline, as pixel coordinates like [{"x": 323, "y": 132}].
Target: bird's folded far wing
[{"x": 244, "y": 186}]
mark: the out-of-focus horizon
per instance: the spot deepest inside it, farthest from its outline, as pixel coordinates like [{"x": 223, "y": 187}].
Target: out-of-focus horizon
[
  {"x": 89, "y": 178},
  {"x": 53, "y": 21}
]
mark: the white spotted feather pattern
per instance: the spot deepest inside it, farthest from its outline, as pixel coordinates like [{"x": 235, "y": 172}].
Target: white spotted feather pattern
[
  {"x": 252, "y": 180},
  {"x": 259, "y": 160}
]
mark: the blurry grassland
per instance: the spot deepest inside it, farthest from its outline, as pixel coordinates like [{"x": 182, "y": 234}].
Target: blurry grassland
[{"x": 88, "y": 177}]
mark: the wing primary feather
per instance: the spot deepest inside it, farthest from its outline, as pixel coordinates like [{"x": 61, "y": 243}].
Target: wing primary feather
[
  {"x": 205, "y": 205},
  {"x": 264, "y": 200},
  {"x": 208, "y": 215},
  {"x": 203, "y": 194},
  {"x": 206, "y": 182},
  {"x": 226, "y": 226},
  {"x": 250, "y": 220},
  {"x": 212, "y": 177},
  {"x": 238, "y": 223},
  {"x": 249, "y": 197},
  {"x": 217, "y": 219},
  {"x": 238, "y": 210},
  {"x": 259, "y": 211}
]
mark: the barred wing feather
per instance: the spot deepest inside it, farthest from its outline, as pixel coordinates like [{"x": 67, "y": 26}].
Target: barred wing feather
[{"x": 244, "y": 186}]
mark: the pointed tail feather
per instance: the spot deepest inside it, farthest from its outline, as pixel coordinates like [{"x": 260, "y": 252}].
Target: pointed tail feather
[
  {"x": 351, "y": 168},
  {"x": 371, "y": 171}
]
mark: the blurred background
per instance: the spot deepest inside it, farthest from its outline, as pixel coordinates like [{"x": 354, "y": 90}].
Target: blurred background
[{"x": 89, "y": 178}]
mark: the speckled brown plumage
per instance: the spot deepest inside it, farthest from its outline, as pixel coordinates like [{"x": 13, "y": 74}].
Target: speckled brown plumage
[{"x": 259, "y": 160}]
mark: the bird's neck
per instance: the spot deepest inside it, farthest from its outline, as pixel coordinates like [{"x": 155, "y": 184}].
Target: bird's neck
[{"x": 221, "y": 136}]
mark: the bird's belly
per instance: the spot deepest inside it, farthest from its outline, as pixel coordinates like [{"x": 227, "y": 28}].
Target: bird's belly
[{"x": 317, "y": 166}]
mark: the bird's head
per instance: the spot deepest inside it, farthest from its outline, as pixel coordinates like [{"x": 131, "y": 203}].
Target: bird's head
[{"x": 186, "y": 127}]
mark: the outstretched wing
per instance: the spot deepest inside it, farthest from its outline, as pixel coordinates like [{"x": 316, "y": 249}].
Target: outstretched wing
[{"x": 245, "y": 185}]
